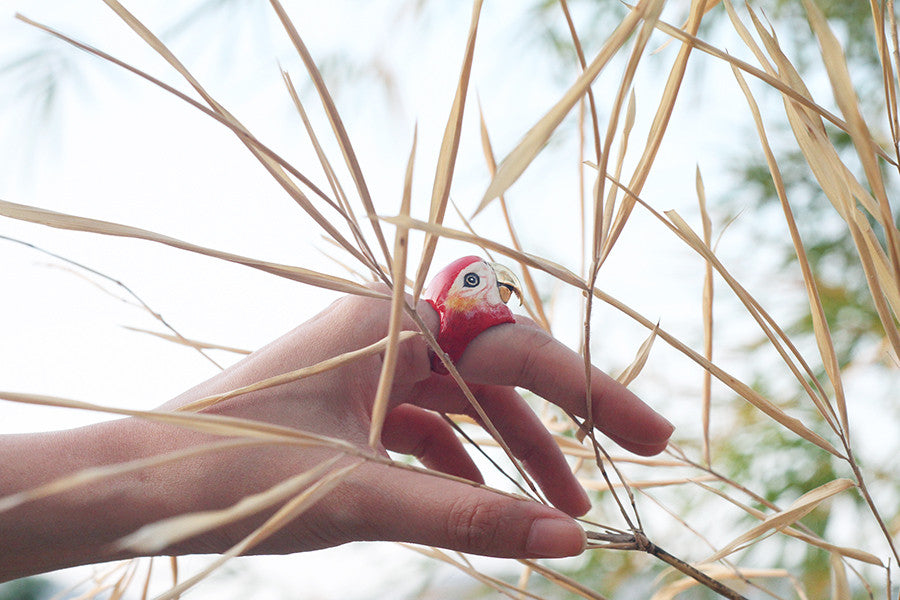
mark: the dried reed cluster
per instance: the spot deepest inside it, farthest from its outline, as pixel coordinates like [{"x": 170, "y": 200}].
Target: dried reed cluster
[{"x": 857, "y": 188}]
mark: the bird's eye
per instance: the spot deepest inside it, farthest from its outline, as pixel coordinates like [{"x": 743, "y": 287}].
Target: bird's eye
[{"x": 471, "y": 280}]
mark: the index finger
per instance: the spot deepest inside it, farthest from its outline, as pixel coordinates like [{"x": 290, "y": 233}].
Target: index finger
[{"x": 518, "y": 355}]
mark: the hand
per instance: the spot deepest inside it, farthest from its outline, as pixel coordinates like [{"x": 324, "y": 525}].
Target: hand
[{"x": 375, "y": 501}]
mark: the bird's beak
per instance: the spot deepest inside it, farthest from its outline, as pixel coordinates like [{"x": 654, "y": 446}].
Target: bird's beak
[{"x": 506, "y": 282}]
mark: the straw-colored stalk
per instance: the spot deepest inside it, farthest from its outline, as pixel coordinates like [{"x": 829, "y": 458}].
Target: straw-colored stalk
[{"x": 864, "y": 206}]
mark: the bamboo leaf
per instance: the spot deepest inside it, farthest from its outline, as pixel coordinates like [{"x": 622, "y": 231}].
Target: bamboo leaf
[
  {"x": 526, "y": 150},
  {"x": 640, "y": 359},
  {"x": 554, "y": 269},
  {"x": 840, "y": 586},
  {"x": 337, "y": 124},
  {"x": 297, "y": 374},
  {"x": 443, "y": 176},
  {"x": 398, "y": 303},
  {"x": 844, "y": 94},
  {"x": 284, "y": 515},
  {"x": 175, "y": 339},
  {"x": 798, "y": 509},
  {"x": 152, "y": 538},
  {"x": 820, "y": 324},
  {"x": 74, "y": 223}
]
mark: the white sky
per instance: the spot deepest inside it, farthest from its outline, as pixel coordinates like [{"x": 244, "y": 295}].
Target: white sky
[{"x": 121, "y": 150}]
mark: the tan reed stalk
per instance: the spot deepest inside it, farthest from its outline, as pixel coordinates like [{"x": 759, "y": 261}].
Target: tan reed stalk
[{"x": 820, "y": 421}]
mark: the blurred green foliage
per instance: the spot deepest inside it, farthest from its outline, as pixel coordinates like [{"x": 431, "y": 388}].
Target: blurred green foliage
[{"x": 28, "y": 588}]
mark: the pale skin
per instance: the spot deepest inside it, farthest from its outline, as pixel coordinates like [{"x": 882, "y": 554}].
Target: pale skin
[{"x": 374, "y": 501}]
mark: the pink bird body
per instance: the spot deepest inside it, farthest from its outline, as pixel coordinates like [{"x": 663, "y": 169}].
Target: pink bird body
[{"x": 469, "y": 298}]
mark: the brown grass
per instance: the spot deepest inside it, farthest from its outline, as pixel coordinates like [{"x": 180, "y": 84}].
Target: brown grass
[{"x": 863, "y": 205}]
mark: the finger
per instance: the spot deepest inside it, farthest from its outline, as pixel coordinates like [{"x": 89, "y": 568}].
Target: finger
[
  {"x": 399, "y": 505},
  {"x": 421, "y": 433},
  {"x": 530, "y": 441},
  {"x": 514, "y": 354}
]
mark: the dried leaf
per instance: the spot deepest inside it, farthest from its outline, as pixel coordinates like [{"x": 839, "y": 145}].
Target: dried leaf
[
  {"x": 188, "y": 342},
  {"x": 337, "y": 124},
  {"x": 718, "y": 572},
  {"x": 526, "y": 150},
  {"x": 550, "y": 267},
  {"x": 640, "y": 359},
  {"x": 840, "y": 586},
  {"x": 152, "y": 538},
  {"x": 297, "y": 374},
  {"x": 65, "y": 221},
  {"x": 443, "y": 176},
  {"x": 398, "y": 303},
  {"x": 798, "y": 509}
]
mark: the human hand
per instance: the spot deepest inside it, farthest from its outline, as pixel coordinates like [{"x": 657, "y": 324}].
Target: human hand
[
  {"x": 379, "y": 502},
  {"x": 374, "y": 501}
]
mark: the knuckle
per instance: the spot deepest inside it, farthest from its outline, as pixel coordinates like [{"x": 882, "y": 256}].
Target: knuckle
[
  {"x": 473, "y": 526},
  {"x": 412, "y": 360},
  {"x": 531, "y": 364}
]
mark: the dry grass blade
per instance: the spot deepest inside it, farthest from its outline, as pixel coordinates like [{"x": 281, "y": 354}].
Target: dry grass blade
[
  {"x": 345, "y": 209},
  {"x": 398, "y": 303},
  {"x": 93, "y": 474},
  {"x": 498, "y": 585},
  {"x": 284, "y": 515},
  {"x": 817, "y": 312},
  {"x": 556, "y": 270},
  {"x": 767, "y": 78},
  {"x": 595, "y": 127},
  {"x": 640, "y": 359},
  {"x": 526, "y": 150},
  {"x": 205, "y": 423},
  {"x": 75, "y": 223},
  {"x": 840, "y": 586},
  {"x": 272, "y": 165},
  {"x": 603, "y": 485},
  {"x": 657, "y": 130},
  {"x": 770, "y": 328},
  {"x": 298, "y": 374},
  {"x": 719, "y": 572},
  {"x": 177, "y": 339},
  {"x": 707, "y": 318},
  {"x": 625, "y": 85},
  {"x": 805, "y": 536},
  {"x": 537, "y": 302},
  {"x": 609, "y": 204},
  {"x": 245, "y": 136},
  {"x": 443, "y": 176},
  {"x": 801, "y": 507},
  {"x": 741, "y": 388},
  {"x": 839, "y": 185},
  {"x": 336, "y": 124},
  {"x": 844, "y": 94},
  {"x": 567, "y": 583},
  {"x": 154, "y": 537}
]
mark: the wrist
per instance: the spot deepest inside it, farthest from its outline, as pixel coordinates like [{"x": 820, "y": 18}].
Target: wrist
[{"x": 80, "y": 524}]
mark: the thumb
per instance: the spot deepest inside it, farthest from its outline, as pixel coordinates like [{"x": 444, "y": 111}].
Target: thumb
[{"x": 412, "y": 506}]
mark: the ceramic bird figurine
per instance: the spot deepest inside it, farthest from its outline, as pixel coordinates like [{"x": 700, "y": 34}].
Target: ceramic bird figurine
[{"x": 469, "y": 295}]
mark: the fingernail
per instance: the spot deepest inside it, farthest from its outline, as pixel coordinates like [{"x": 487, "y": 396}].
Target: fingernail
[{"x": 554, "y": 538}]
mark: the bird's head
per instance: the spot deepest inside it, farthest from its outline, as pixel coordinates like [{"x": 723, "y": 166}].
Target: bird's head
[{"x": 469, "y": 295}]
